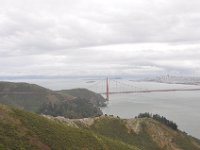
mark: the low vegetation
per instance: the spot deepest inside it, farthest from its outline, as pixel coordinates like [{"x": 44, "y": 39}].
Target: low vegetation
[
  {"x": 94, "y": 98},
  {"x": 116, "y": 128},
  {"x": 23, "y": 130},
  {"x": 77, "y": 108},
  {"x": 159, "y": 118},
  {"x": 28, "y": 131}
]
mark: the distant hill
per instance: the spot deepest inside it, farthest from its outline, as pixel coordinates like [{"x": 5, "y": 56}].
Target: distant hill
[
  {"x": 20, "y": 129},
  {"x": 93, "y": 97},
  {"x": 35, "y": 98}
]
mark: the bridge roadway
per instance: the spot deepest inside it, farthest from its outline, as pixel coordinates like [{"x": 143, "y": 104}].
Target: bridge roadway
[{"x": 156, "y": 90}]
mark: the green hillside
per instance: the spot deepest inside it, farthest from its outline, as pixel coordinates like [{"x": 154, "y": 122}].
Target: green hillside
[
  {"x": 35, "y": 98},
  {"x": 144, "y": 133},
  {"x": 28, "y": 131},
  {"x": 23, "y": 130}
]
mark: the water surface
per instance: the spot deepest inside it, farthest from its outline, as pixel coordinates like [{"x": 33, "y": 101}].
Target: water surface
[{"x": 181, "y": 107}]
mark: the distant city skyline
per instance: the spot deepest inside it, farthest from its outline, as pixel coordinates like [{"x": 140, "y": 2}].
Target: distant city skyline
[{"x": 99, "y": 38}]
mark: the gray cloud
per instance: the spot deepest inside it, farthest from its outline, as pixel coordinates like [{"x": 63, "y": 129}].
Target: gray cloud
[{"x": 87, "y": 37}]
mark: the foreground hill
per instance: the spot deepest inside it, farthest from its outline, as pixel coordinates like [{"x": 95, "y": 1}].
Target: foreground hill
[
  {"x": 20, "y": 129},
  {"x": 35, "y": 98},
  {"x": 143, "y": 133},
  {"x": 24, "y": 130}
]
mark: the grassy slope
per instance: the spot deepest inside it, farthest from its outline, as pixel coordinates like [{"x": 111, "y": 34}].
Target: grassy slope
[
  {"x": 116, "y": 129},
  {"x": 24, "y": 130},
  {"x": 152, "y": 135}
]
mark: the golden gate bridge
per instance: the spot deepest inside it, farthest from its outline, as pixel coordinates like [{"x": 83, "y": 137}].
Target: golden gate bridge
[{"x": 111, "y": 86}]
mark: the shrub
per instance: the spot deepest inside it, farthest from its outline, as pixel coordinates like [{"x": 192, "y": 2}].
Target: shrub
[{"x": 159, "y": 118}]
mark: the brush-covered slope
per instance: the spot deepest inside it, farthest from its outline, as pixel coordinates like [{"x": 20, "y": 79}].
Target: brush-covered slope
[
  {"x": 35, "y": 98},
  {"x": 144, "y": 133},
  {"x": 25, "y": 130},
  {"x": 21, "y": 130},
  {"x": 94, "y": 98}
]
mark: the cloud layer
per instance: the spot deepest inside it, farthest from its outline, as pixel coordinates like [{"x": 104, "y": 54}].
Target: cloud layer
[{"x": 101, "y": 37}]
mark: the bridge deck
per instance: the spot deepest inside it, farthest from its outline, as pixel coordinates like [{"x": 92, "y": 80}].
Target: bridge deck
[{"x": 157, "y": 90}]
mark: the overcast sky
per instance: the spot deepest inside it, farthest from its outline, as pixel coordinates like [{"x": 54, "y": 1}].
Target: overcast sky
[{"x": 99, "y": 37}]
